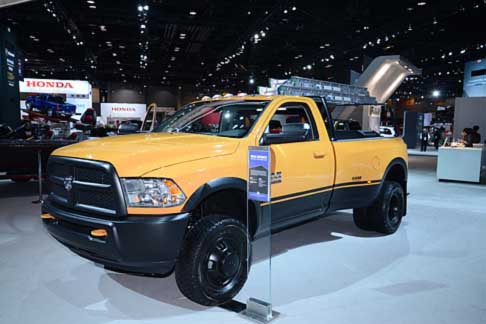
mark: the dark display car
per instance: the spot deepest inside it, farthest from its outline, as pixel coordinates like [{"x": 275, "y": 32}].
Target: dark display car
[{"x": 129, "y": 127}]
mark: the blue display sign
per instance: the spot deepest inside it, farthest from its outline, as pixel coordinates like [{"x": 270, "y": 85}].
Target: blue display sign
[
  {"x": 475, "y": 79},
  {"x": 259, "y": 165}
]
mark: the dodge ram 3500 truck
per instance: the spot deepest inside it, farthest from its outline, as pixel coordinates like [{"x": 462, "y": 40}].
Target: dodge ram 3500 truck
[{"x": 176, "y": 198}]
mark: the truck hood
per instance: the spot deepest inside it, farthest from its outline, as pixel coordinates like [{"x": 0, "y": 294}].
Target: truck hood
[{"x": 137, "y": 154}]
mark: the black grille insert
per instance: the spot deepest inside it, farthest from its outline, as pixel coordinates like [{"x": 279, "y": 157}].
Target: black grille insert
[{"x": 85, "y": 185}]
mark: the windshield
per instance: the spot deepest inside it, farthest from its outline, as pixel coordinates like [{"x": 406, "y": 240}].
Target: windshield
[
  {"x": 56, "y": 99},
  {"x": 229, "y": 119}
]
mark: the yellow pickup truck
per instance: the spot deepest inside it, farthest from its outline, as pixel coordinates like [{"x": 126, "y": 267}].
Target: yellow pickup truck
[{"x": 176, "y": 198}]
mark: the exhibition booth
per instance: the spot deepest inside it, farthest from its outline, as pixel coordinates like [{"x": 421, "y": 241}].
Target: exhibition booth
[
  {"x": 78, "y": 93},
  {"x": 172, "y": 169},
  {"x": 115, "y": 113},
  {"x": 456, "y": 161}
]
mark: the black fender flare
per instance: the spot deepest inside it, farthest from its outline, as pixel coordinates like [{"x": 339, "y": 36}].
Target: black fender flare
[
  {"x": 401, "y": 162},
  {"x": 217, "y": 185},
  {"x": 394, "y": 162}
]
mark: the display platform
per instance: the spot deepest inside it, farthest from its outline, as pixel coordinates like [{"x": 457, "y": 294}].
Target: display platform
[
  {"x": 327, "y": 271},
  {"x": 462, "y": 164},
  {"x": 21, "y": 155},
  {"x": 27, "y": 159}
]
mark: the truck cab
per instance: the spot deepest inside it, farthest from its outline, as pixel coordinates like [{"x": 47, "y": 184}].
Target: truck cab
[
  {"x": 50, "y": 105},
  {"x": 175, "y": 198}
]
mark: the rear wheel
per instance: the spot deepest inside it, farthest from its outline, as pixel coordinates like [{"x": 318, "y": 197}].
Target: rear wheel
[
  {"x": 385, "y": 215},
  {"x": 361, "y": 219},
  {"x": 212, "y": 266}
]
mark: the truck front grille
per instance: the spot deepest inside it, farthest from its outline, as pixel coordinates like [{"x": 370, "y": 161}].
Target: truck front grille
[{"x": 85, "y": 185}]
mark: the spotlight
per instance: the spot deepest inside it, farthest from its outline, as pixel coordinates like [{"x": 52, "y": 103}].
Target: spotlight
[{"x": 436, "y": 93}]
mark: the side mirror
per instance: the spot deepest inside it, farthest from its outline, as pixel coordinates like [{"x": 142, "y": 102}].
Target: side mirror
[{"x": 269, "y": 139}]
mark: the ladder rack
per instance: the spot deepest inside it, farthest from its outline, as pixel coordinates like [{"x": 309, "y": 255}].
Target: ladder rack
[{"x": 335, "y": 93}]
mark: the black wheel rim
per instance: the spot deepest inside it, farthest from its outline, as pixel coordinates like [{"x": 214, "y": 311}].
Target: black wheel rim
[
  {"x": 395, "y": 210},
  {"x": 223, "y": 264}
]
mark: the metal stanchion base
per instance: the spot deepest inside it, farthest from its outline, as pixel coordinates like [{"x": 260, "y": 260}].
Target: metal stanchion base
[{"x": 259, "y": 311}]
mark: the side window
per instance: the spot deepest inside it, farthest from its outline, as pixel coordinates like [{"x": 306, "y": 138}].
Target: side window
[
  {"x": 292, "y": 122},
  {"x": 349, "y": 122}
]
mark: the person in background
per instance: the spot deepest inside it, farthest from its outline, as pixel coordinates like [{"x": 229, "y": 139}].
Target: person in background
[
  {"x": 424, "y": 139},
  {"x": 437, "y": 137},
  {"x": 467, "y": 137},
  {"x": 476, "y": 137}
]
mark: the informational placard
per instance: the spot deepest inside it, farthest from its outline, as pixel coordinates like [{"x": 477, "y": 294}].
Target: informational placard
[{"x": 259, "y": 166}]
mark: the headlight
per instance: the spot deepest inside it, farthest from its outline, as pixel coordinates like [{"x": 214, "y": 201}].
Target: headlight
[{"x": 152, "y": 193}]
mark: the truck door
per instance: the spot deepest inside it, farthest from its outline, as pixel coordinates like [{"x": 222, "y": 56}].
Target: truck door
[{"x": 302, "y": 166}]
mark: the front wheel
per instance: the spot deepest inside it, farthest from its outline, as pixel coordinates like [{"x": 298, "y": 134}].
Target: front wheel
[
  {"x": 385, "y": 215},
  {"x": 213, "y": 264}
]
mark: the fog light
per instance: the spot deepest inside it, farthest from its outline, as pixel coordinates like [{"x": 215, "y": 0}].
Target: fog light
[
  {"x": 99, "y": 233},
  {"x": 47, "y": 216}
]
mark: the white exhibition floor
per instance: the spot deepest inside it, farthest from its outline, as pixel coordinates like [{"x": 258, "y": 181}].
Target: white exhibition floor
[{"x": 433, "y": 270}]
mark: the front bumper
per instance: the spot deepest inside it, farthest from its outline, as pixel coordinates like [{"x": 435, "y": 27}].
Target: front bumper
[{"x": 138, "y": 244}]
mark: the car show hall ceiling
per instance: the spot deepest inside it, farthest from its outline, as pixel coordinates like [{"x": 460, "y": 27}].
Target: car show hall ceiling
[{"x": 224, "y": 44}]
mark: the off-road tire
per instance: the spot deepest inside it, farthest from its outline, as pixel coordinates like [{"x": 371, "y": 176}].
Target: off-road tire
[
  {"x": 197, "y": 272},
  {"x": 361, "y": 219},
  {"x": 385, "y": 215}
]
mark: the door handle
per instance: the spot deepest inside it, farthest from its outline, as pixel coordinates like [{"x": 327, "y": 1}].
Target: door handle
[{"x": 319, "y": 155}]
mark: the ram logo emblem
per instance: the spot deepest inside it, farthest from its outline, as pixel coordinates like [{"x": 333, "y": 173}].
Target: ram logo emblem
[{"x": 68, "y": 183}]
